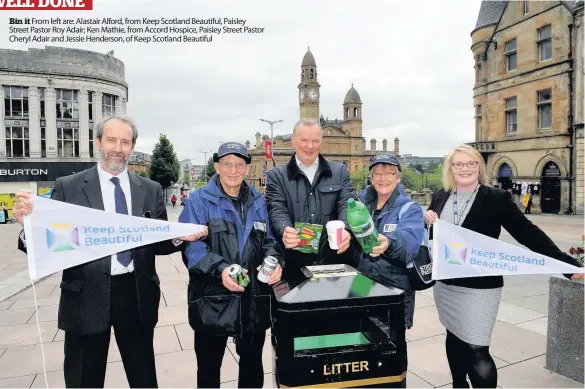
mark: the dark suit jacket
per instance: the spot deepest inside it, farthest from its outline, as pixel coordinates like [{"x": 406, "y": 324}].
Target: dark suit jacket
[
  {"x": 84, "y": 307},
  {"x": 493, "y": 209}
]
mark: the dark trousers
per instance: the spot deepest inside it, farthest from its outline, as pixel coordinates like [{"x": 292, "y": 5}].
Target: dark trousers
[
  {"x": 209, "y": 349},
  {"x": 86, "y": 355}
]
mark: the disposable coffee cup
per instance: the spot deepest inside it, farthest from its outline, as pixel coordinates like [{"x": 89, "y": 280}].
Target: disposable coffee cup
[{"x": 335, "y": 230}]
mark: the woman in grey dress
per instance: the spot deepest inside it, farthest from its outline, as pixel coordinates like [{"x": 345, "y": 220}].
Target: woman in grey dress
[{"x": 468, "y": 306}]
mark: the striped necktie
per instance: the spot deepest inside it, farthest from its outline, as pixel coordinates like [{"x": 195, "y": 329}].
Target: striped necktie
[{"x": 124, "y": 257}]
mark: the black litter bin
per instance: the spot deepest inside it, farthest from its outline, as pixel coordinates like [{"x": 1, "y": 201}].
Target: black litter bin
[{"x": 343, "y": 331}]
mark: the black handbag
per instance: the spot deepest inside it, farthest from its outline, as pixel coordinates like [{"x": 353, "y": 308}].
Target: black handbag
[{"x": 420, "y": 268}]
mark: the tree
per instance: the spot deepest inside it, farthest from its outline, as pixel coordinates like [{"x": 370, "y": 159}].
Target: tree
[
  {"x": 210, "y": 170},
  {"x": 432, "y": 165},
  {"x": 416, "y": 181},
  {"x": 435, "y": 177},
  {"x": 187, "y": 178},
  {"x": 143, "y": 174},
  {"x": 164, "y": 164},
  {"x": 410, "y": 179},
  {"x": 359, "y": 178}
]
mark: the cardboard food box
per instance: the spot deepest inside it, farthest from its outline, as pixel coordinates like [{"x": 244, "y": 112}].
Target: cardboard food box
[{"x": 310, "y": 235}]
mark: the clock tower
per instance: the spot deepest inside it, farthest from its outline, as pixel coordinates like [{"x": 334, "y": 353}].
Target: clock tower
[{"x": 309, "y": 88}]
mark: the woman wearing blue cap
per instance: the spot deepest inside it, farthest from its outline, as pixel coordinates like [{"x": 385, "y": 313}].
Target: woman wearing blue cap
[{"x": 400, "y": 223}]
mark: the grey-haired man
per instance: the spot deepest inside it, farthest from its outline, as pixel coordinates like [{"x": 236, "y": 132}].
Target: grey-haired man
[{"x": 309, "y": 189}]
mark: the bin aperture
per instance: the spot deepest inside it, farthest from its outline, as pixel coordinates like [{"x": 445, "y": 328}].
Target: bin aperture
[{"x": 340, "y": 332}]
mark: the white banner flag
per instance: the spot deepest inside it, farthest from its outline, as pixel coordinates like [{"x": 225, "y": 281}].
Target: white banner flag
[
  {"x": 61, "y": 235},
  {"x": 459, "y": 253}
]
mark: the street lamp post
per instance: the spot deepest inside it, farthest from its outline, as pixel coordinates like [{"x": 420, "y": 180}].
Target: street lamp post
[
  {"x": 205, "y": 164},
  {"x": 272, "y": 134}
]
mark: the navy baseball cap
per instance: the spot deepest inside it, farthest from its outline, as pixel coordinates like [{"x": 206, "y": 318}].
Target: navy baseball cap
[
  {"x": 232, "y": 148},
  {"x": 389, "y": 159}
]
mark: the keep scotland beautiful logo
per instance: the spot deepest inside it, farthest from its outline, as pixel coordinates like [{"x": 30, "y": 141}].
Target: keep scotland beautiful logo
[
  {"x": 457, "y": 253},
  {"x": 65, "y": 237}
]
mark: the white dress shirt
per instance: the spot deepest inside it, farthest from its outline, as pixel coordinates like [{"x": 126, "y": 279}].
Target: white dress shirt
[
  {"x": 109, "y": 200},
  {"x": 309, "y": 171}
]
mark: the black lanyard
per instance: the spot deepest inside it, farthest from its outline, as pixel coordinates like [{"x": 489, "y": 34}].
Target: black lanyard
[{"x": 457, "y": 215}]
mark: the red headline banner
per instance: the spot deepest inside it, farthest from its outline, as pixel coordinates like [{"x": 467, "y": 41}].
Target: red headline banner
[{"x": 45, "y": 5}]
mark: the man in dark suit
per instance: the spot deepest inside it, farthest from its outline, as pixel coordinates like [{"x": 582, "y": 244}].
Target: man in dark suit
[{"x": 120, "y": 291}]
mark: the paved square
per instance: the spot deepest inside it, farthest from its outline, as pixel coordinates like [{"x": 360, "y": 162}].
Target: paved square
[{"x": 519, "y": 339}]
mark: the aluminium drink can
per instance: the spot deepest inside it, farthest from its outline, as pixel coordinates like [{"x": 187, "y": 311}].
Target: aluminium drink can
[
  {"x": 236, "y": 273},
  {"x": 265, "y": 270}
]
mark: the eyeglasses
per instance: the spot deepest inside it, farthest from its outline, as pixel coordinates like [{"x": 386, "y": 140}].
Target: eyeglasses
[
  {"x": 469, "y": 164},
  {"x": 230, "y": 165},
  {"x": 386, "y": 175}
]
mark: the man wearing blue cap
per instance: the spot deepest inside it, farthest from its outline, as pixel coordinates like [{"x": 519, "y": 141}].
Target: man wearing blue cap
[{"x": 239, "y": 233}]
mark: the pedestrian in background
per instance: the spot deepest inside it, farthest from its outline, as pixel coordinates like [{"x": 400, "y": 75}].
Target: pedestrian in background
[{"x": 3, "y": 215}]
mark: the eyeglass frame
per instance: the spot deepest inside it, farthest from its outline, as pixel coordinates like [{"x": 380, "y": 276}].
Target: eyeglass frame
[
  {"x": 230, "y": 165},
  {"x": 386, "y": 175},
  {"x": 474, "y": 163}
]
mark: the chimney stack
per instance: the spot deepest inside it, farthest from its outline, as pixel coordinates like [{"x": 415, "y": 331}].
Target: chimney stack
[
  {"x": 258, "y": 145},
  {"x": 396, "y": 147},
  {"x": 385, "y": 145},
  {"x": 373, "y": 144}
]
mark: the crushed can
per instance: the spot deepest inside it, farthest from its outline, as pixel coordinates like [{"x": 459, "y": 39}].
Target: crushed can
[
  {"x": 236, "y": 273},
  {"x": 265, "y": 270}
]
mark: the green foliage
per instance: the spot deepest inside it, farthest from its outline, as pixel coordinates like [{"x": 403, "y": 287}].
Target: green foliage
[
  {"x": 164, "y": 165},
  {"x": 416, "y": 181},
  {"x": 359, "y": 178},
  {"x": 199, "y": 184},
  {"x": 210, "y": 169},
  {"x": 187, "y": 178},
  {"x": 143, "y": 174},
  {"x": 418, "y": 167},
  {"x": 432, "y": 166}
]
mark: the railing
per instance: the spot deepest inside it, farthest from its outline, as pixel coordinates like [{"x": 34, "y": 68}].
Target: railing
[{"x": 484, "y": 147}]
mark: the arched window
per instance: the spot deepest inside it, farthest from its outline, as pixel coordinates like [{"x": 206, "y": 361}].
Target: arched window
[
  {"x": 505, "y": 170},
  {"x": 347, "y": 113},
  {"x": 312, "y": 74},
  {"x": 551, "y": 169},
  {"x": 355, "y": 113}
]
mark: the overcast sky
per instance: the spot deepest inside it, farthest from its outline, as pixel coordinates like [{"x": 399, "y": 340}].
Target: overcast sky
[{"x": 410, "y": 61}]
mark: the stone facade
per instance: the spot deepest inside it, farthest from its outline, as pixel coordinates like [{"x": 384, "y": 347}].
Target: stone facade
[
  {"x": 579, "y": 120},
  {"x": 44, "y": 73},
  {"x": 50, "y": 100},
  {"x": 343, "y": 139},
  {"x": 524, "y": 95}
]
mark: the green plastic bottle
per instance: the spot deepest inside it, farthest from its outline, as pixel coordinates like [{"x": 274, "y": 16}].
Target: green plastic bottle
[{"x": 362, "y": 225}]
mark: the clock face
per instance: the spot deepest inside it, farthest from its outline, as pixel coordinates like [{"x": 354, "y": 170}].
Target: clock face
[
  {"x": 302, "y": 96},
  {"x": 313, "y": 94}
]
